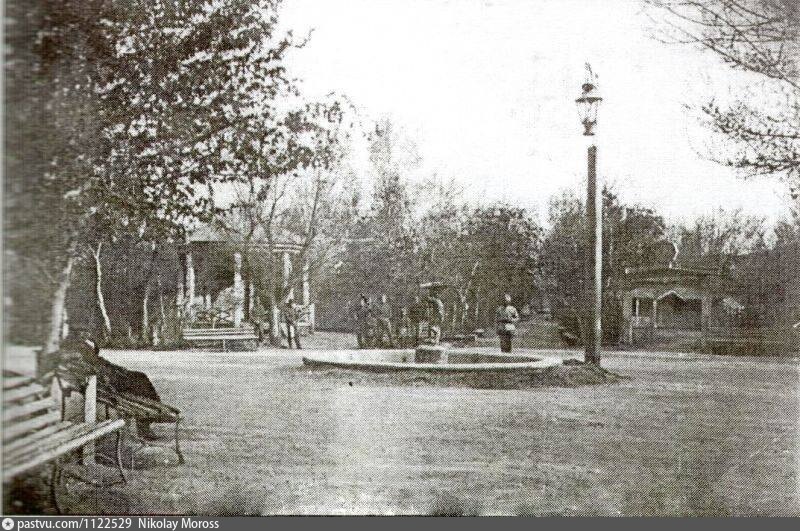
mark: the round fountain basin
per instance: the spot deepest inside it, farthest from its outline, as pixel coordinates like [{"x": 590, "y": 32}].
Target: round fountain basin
[{"x": 450, "y": 360}]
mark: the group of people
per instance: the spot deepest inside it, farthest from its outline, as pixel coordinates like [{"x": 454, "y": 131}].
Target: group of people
[
  {"x": 291, "y": 315},
  {"x": 375, "y": 324},
  {"x": 376, "y": 327}
]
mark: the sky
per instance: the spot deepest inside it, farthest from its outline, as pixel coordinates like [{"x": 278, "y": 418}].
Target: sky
[{"x": 486, "y": 90}]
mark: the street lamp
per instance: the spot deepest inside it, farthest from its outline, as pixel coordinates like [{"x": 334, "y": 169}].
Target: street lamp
[{"x": 588, "y": 102}]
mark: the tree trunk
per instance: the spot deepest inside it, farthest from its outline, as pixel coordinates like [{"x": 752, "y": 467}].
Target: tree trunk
[
  {"x": 161, "y": 308},
  {"x": 246, "y": 268},
  {"x": 464, "y": 316},
  {"x": 145, "y": 313},
  {"x": 53, "y": 342},
  {"x": 101, "y": 303}
]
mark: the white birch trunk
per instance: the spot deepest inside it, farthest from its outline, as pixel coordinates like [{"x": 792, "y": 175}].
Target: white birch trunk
[
  {"x": 101, "y": 303},
  {"x": 53, "y": 342},
  {"x": 146, "y": 312}
]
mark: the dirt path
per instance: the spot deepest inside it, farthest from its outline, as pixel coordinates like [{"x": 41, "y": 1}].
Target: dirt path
[
  {"x": 685, "y": 435},
  {"x": 695, "y": 436}
]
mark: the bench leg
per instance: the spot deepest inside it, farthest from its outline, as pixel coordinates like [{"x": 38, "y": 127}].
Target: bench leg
[
  {"x": 119, "y": 457},
  {"x": 133, "y": 432},
  {"x": 55, "y": 478},
  {"x": 181, "y": 460}
]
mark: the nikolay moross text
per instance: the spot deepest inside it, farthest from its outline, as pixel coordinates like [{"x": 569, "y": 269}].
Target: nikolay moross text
[{"x": 173, "y": 524}]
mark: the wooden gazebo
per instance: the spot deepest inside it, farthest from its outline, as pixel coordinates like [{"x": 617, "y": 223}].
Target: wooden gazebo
[{"x": 202, "y": 288}]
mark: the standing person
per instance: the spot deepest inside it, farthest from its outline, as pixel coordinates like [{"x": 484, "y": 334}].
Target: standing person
[
  {"x": 506, "y": 318},
  {"x": 361, "y": 318},
  {"x": 404, "y": 332},
  {"x": 372, "y": 324},
  {"x": 383, "y": 313},
  {"x": 436, "y": 317},
  {"x": 417, "y": 316},
  {"x": 291, "y": 315}
]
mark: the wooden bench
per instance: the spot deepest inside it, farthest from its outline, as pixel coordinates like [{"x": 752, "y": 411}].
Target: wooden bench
[
  {"x": 132, "y": 408},
  {"x": 748, "y": 341},
  {"x": 209, "y": 337},
  {"x": 35, "y": 432},
  {"x": 754, "y": 346}
]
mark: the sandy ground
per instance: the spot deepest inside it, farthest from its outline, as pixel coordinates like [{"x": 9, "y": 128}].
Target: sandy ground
[{"x": 687, "y": 434}]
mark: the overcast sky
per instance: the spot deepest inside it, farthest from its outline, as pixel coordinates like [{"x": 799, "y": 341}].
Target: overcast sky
[{"x": 486, "y": 89}]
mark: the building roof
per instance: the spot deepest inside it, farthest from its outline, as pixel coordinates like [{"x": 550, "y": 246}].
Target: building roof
[
  {"x": 664, "y": 270},
  {"x": 657, "y": 293},
  {"x": 214, "y": 233}
]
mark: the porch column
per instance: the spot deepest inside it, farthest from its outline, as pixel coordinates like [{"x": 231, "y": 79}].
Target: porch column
[
  {"x": 238, "y": 290},
  {"x": 207, "y": 300},
  {"x": 189, "y": 286},
  {"x": 655, "y": 313},
  {"x": 627, "y": 334}
]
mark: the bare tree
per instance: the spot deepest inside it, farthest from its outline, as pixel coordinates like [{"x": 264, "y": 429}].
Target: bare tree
[{"x": 761, "y": 37}]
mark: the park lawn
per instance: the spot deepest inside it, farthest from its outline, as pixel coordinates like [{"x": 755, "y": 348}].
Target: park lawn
[{"x": 685, "y": 435}]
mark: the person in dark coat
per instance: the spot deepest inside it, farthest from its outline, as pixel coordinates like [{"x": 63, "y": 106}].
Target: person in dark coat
[
  {"x": 117, "y": 378},
  {"x": 418, "y": 315},
  {"x": 383, "y": 313},
  {"x": 361, "y": 318},
  {"x": 405, "y": 332},
  {"x": 292, "y": 315}
]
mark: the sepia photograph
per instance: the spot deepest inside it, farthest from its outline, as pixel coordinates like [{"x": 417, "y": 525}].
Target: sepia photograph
[{"x": 400, "y": 257}]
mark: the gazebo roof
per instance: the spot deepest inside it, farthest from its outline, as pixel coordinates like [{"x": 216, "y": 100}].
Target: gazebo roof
[{"x": 211, "y": 233}]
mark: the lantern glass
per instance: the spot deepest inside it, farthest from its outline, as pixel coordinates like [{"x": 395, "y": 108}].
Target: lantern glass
[{"x": 588, "y": 103}]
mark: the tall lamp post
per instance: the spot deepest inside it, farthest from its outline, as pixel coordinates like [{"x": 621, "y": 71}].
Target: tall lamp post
[{"x": 588, "y": 102}]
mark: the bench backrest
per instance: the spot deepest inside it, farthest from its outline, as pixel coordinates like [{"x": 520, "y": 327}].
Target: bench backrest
[
  {"x": 219, "y": 332},
  {"x": 244, "y": 333},
  {"x": 27, "y": 407}
]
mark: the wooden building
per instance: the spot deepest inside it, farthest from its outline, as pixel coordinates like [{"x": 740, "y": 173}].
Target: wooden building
[{"x": 667, "y": 302}]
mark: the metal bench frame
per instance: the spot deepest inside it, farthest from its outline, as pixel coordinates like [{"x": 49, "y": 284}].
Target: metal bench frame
[
  {"x": 131, "y": 408},
  {"x": 36, "y": 433}
]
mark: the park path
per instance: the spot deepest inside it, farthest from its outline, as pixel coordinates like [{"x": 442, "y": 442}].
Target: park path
[{"x": 686, "y": 435}]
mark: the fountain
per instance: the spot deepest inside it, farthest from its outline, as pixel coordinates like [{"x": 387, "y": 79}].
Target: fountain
[
  {"x": 443, "y": 359},
  {"x": 434, "y": 357}
]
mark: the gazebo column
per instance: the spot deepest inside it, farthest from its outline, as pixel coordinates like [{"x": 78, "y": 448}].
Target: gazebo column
[
  {"x": 180, "y": 297},
  {"x": 238, "y": 290},
  {"x": 307, "y": 296},
  {"x": 190, "y": 278},
  {"x": 287, "y": 275},
  {"x": 251, "y": 302},
  {"x": 306, "y": 285}
]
